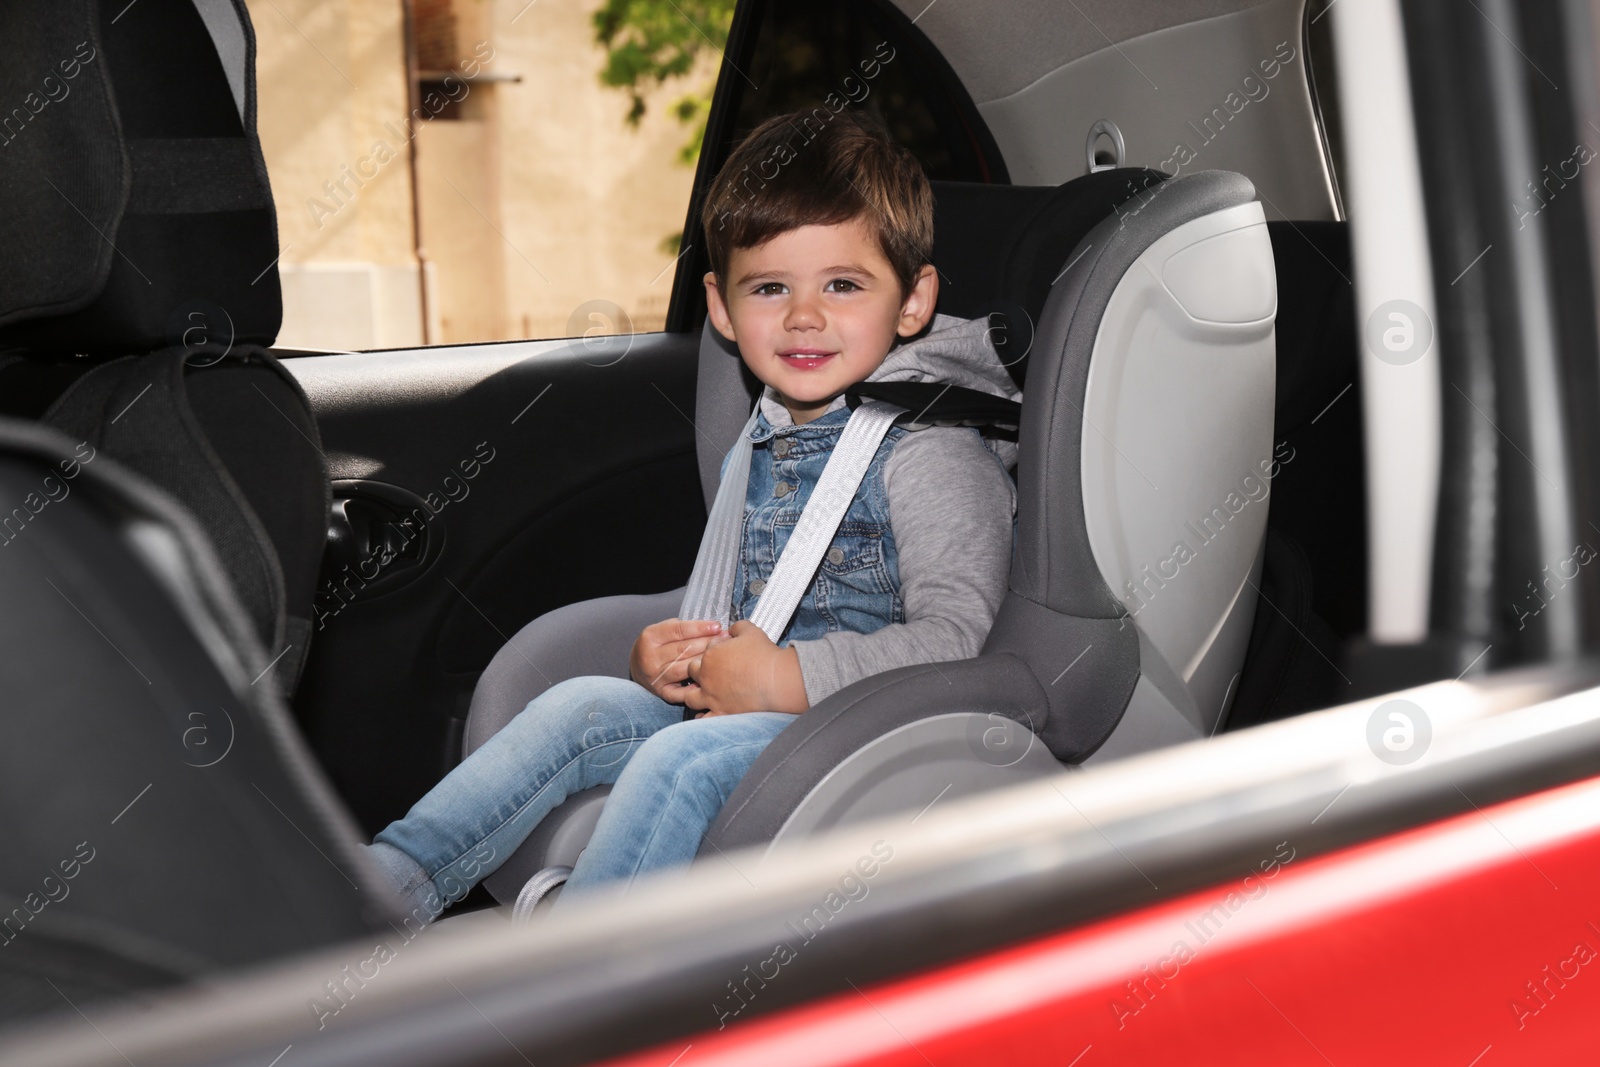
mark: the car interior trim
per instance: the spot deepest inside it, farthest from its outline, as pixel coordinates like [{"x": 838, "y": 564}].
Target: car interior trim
[
  {"x": 1225, "y": 93},
  {"x": 1390, "y": 252}
]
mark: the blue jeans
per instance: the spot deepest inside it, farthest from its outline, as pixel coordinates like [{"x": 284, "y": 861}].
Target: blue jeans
[{"x": 670, "y": 779}]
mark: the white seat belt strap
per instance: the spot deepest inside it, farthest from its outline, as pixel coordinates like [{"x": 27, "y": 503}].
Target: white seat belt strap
[{"x": 710, "y": 591}]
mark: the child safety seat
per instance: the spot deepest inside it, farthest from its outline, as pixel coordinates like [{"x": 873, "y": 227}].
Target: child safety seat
[{"x": 1141, "y": 311}]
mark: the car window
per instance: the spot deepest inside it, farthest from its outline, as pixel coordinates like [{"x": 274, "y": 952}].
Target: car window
[
  {"x": 871, "y": 56},
  {"x": 450, "y": 171},
  {"x": 830, "y": 55}
]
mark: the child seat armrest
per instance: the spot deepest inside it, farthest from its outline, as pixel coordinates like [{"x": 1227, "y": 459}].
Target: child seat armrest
[
  {"x": 591, "y": 637},
  {"x": 838, "y": 726}
]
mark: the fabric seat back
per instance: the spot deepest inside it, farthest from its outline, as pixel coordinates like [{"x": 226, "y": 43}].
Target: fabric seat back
[
  {"x": 164, "y": 819},
  {"x": 141, "y": 225}
]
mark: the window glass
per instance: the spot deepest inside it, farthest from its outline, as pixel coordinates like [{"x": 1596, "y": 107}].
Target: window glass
[
  {"x": 836, "y": 53},
  {"x": 451, "y": 171},
  {"x": 863, "y": 53}
]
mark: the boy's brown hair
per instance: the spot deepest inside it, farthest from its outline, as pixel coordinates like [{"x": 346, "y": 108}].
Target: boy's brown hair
[{"x": 816, "y": 168}]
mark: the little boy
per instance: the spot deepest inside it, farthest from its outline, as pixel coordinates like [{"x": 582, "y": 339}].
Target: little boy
[{"x": 820, "y": 243}]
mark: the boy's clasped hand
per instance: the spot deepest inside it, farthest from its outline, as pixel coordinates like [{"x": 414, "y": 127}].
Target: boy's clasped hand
[{"x": 716, "y": 672}]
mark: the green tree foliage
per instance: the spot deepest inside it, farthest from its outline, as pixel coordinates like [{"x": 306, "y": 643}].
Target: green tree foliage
[{"x": 649, "y": 42}]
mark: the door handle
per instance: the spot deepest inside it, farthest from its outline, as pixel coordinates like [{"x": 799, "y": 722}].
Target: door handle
[{"x": 380, "y": 537}]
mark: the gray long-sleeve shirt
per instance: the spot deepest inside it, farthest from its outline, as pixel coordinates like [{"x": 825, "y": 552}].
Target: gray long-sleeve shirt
[{"x": 951, "y": 505}]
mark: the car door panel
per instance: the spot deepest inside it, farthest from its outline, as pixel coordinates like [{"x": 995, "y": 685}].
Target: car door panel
[{"x": 508, "y": 480}]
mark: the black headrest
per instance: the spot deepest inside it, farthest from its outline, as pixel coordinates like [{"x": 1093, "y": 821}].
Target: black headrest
[
  {"x": 999, "y": 244},
  {"x": 136, "y": 191},
  {"x": 999, "y": 248}
]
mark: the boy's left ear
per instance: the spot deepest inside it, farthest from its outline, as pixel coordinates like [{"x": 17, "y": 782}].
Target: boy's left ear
[{"x": 917, "y": 311}]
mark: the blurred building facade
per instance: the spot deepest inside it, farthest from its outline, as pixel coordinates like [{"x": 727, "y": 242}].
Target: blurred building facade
[{"x": 461, "y": 175}]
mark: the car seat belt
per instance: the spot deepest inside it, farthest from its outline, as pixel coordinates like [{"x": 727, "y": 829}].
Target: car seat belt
[{"x": 710, "y": 591}]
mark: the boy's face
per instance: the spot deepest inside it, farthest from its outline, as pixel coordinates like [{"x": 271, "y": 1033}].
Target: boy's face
[{"x": 816, "y": 310}]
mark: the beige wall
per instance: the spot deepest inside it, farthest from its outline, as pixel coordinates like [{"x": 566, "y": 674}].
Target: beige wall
[
  {"x": 538, "y": 200},
  {"x": 329, "y": 76},
  {"x": 459, "y": 191},
  {"x": 587, "y": 199}
]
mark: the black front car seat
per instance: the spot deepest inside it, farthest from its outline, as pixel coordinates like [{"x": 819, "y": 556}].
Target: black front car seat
[
  {"x": 138, "y": 280},
  {"x": 164, "y": 821}
]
